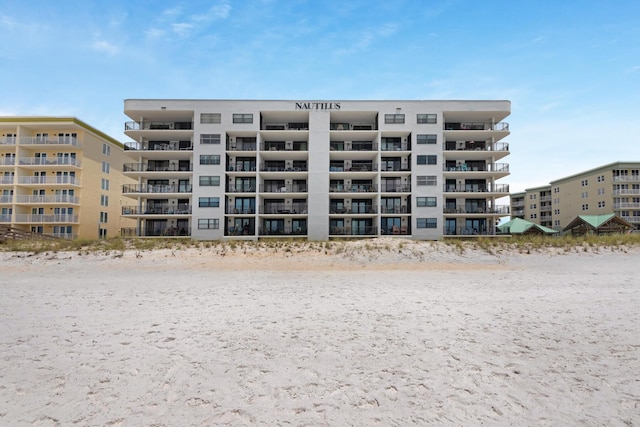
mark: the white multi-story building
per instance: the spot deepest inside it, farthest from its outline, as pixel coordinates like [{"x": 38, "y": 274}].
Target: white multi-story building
[{"x": 216, "y": 169}]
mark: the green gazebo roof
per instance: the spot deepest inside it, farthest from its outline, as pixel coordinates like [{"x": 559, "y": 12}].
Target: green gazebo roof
[{"x": 522, "y": 226}]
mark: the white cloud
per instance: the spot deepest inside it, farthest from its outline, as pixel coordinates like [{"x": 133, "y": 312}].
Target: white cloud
[
  {"x": 7, "y": 22},
  {"x": 155, "y": 33},
  {"x": 182, "y": 28},
  {"x": 105, "y": 46},
  {"x": 219, "y": 11}
]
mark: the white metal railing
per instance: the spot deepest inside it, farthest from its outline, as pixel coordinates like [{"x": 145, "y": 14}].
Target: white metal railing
[
  {"x": 626, "y": 178},
  {"x": 49, "y": 140},
  {"x": 70, "y": 180},
  {"x": 46, "y": 218},
  {"x": 625, "y": 191},
  {"x": 8, "y": 140},
  {"x": 60, "y": 198},
  {"x": 626, "y": 205},
  {"x": 49, "y": 161}
]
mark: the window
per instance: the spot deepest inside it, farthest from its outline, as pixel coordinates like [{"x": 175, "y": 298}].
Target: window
[
  {"x": 601, "y": 204},
  {"x": 243, "y": 118},
  {"x": 209, "y": 159},
  {"x": 427, "y": 160},
  {"x": 209, "y": 118},
  {"x": 104, "y": 200},
  {"x": 209, "y": 202},
  {"x": 394, "y": 118},
  {"x": 585, "y": 207},
  {"x": 584, "y": 182},
  {"x": 427, "y": 180},
  {"x": 104, "y": 184},
  {"x": 104, "y": 217},
  {"x": 426, "y": 202},
  {"x": 533, "y": 216},
  {"x": 209, "y": 181},
  {"x": 427, "y": 222},
  {"x": 210, "y": 138},
  {"x": 585, "y": 194},
  {"x": 106, "y": 149},
  {"x": 427, "y": 139},
  {"x": 105, "y": 167},
  {"x": 427, "y": 118},
  {"x": 208, "y": 223}
]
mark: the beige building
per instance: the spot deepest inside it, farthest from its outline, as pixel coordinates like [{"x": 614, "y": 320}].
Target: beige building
[
  {"x": 60, "y": 177},
  {"x": 612, "y": 188},
  {"x": 249, "y": 169}
]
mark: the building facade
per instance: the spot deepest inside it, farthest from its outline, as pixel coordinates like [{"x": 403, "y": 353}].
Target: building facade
[
  {"x": 60, "y": 177},
  {"x": 611, "y": 188},
  {"x": 216, "y": 169}
]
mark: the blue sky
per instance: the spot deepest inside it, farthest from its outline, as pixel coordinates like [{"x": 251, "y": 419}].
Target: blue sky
[{"x": 570, "y": 68}]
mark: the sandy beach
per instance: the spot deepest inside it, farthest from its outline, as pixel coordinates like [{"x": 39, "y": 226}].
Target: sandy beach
[{"x": 363, "y": 333}]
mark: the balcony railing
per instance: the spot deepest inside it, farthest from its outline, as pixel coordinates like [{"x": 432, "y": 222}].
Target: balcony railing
[
  {"x": 285, "y": 126},
  {"x": 372, "y": 167},
  {"x": 5, "y": 218},
  {"x": 467, "y": 231},
  {"x": 8, "y": 140},
  {"x": 353, "y": 210},
  {"x": 395, "y": 188},
  {"x": 626, "y": 205},
  {"x": 230, "y": 210},
  {"x": 67, "y": 180},
  {"x": 355, "y": 188},
  {"x": 6, "y": 199},
  {"x": 501, "y": 210},
  {"x": 241, "y": 188},
  {"x": 401, "y": 209},
  {"x": 49, "y": 140},
  {"x": 474, "y": 188},
  {"x": 157, "y": 210},
  {"x": 60, "y": 199},
  {"x": 265, "y": 168},
  {"x": 7, "y": 161},
  {"x": 165, "y": 188},
  {"x": 241, "y": 146},
  {"x": 276, "y": 188},
  {"x": 6, "y": 180},
  {"x": 500, "y": 126},
  {"x": 163, "y": 146},
  {"x": 283, "y": 208},
  {"x": 287, "y": 230},
  {"x": 158, "y": 125},
  {"x": 400, "y": 146},
  {"x": 49, "y": 161},
  {"x": 626, "y": 178},
  {"x": 164, "y": 231},
  {"x": 354, "y": 146},
  {"x": 625, "y": 192},
  {"x": 149, "y": 167},
  {"x": 353, "y": 126},
  {"x": 474, "y": 167},
  {"x": 475, "y": 146},
  {"x": 46, "y": 218},
  {"x": 353, "y": 231}
]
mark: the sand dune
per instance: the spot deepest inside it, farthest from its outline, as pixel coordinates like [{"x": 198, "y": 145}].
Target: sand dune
[{"x": 386, "y": 334}]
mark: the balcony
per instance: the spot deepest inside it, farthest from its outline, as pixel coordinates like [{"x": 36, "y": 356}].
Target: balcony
[
  {"x": 626, "y": 206},
  {"x": 158, "y": 125},
  {"x": 283, "y": 208},
  {"x": 55, "y": 199},
  {"x": 346, "y": 167},
  {"x": 49, "y": 140},
  {"x": 466, "y": 231},
  {"x": 476, "y": 167},
  {"x": 466, "y": 210},
  {"x": 283, "y": 168},
  {"x": 230, "y": 210},
  {"x": 6, "y": 199},
  {"x": 626, "y": 192},
  {"x": 353, "y": 126},
  {"x": 5, "y": 218},
  {"x": 354, "y": 209},
  {"x": 156, "y": 167},
  {"x": 159, "y": 146},
  {"x": 285, "y": 126},
  {"x": 353, "y": 231},
  {"x": 48, "y": 161},
  {"x": 399, "y": 209},
  {"x": 159, "y": 232},
  {"x": 354, "y": 146},
  {"x": 355, "y": 188},
  {"x": 6, "y": 180},
  {"x": 470, "y": 126},
  {"x": 7, "y": 161},
  {"x": 241, "y": 188},
  {"x": 49, "y": 180},
  {"x": 8, "y": 140},
  {"x": 161, "y": 189},
  {"x": 475, "y": 146},
  {"x": 626, "y": 178},
  {"x": 46, "y": 219},
  {"x": 287, "y": 230},
  {"x": 474, "y": 188},
  {"x": 181, "y": 209},
  {"x": 282, "y": 188}
]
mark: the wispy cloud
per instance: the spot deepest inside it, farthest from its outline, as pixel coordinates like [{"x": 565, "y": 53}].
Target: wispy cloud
[
  {"x": 184, "y": 25},
  {"x": 105, "y": 46},
  {"x": 7, "y": 22}
]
